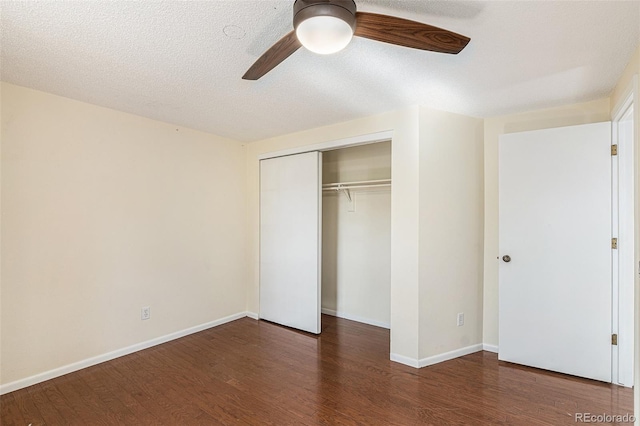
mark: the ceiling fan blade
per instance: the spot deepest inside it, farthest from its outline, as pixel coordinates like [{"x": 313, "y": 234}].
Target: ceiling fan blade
[
  {"x": 403, "y": 32},
  {"x": 272, "y": 57}
]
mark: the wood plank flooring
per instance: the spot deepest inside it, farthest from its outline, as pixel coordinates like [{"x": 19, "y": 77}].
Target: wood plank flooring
[{"x": 254, "y": 373}]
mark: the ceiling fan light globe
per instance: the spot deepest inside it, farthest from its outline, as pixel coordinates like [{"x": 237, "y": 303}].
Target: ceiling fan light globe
[{"x": 324, "y": 34}]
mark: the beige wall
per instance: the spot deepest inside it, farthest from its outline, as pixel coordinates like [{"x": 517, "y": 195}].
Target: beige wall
[
  {"x": 451, "y": 211},
  {"x": 588, "y": 112},
  {"x": 356, "y": 245},
  {"x": 105, "y": 212},
  {"x": 633, "y": 70},
  {"x": 404, "y": 212}
]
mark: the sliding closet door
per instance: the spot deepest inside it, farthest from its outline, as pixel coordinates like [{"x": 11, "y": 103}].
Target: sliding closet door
[{"x": 290, "y": 240}]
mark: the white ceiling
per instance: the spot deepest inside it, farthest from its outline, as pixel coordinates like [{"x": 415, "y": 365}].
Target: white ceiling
[{"x": 172, "y": 61}]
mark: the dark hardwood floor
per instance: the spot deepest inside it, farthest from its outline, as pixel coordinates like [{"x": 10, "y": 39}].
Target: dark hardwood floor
[{"x": 254, "y": 372}]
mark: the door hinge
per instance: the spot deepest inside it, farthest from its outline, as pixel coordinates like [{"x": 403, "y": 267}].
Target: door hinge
[
  {"x": 614, "y": 339},
  {"x": 614, "y": 149},
  {"x": 614, "y": 243}
]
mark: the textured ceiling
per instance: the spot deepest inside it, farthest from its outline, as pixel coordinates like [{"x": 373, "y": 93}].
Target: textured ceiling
[{"x": 172, "y": 61}]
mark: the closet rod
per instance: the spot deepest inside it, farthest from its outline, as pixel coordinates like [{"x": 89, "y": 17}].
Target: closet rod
[
  {"x": 360, "y": 183},
  {"x": 342, "y": 188}
]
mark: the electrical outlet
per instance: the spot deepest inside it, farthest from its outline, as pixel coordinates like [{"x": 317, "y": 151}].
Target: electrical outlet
[
  {"x": 145, "y": 313},
  {"x": 460, "y": 319}
]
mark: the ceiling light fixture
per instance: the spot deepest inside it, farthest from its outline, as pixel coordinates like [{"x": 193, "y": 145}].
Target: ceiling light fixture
[{"x": 323, "y": 26}]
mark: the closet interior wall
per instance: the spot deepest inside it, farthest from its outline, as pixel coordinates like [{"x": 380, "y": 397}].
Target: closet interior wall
[{"x": 356, "y": 245}]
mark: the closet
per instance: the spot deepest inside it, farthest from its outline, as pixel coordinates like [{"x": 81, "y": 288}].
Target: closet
[
  {"x": 356, "y": 233},
  {"x": 325, "y": 236}
]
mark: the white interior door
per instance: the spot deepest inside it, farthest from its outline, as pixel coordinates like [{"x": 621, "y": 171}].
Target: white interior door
[
  {"x": 290, "y": 240},
  {"x": 555, "y": 225}
]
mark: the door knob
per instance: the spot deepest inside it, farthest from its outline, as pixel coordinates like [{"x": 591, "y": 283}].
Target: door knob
[{"x": 506, "y": 258}]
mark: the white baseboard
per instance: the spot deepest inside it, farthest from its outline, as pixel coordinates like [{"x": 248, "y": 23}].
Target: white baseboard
[
  {"x": 411, "y": 362},
  {"x": 490, "y": 348},
  {"x": 356, "y": 318},
  {"x": 435, "y": 359},
  {"x": 70, "y": 368},
  {"x": 253, "y": 315}
]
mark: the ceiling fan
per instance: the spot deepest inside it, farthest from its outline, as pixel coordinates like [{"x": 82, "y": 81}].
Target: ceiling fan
[{"x": 327, "y": 26}]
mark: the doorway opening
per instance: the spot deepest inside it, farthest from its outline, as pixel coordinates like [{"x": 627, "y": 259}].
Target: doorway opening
[{"x": 356, "y": 233}]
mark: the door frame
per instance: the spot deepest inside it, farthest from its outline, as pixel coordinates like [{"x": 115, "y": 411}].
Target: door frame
[
  {"x": 623, "y": 259},
  {"x": 365, "y": 139}
]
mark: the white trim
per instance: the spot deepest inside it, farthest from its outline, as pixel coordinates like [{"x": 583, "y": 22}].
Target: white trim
[
  {"x": 342, "y": 314},
  {"x": 319, "y": 225},
  {"x": 631, "y": 93},
  {"x": 79, "y": 365},
  {"x": 623, "y": 229},
  {"x": 411, "y": 362},
  {"x": 327, "y": 146},
  {"x": 253, "y": 315},
  {"x": 435, "y": 359},
  {"x": 490, "y": 348}
]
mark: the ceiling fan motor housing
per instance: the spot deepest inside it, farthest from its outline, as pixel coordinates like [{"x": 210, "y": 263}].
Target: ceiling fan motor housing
[{"x": 342, "y": 9}]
